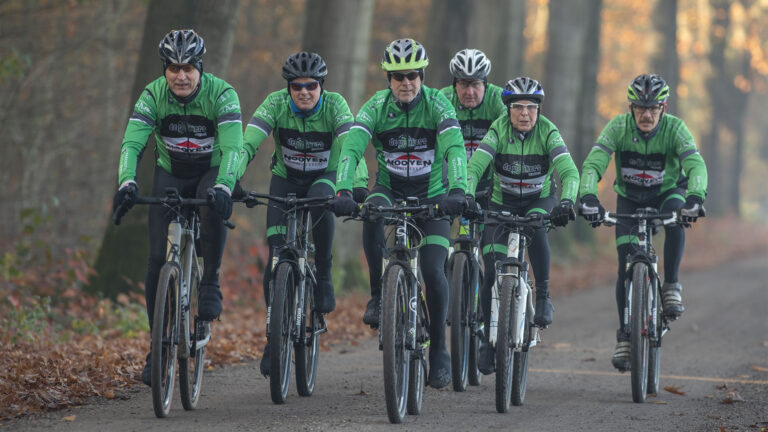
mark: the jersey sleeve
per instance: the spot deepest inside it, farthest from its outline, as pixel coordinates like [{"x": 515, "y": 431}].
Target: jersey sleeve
[
  {"x": 691, "y": 162},
  {"x": 481, "y": 159},
  {"x": 356, "y": 141},
  {"x": 563, "y": 162},
  {"x": 343, "y": 120},
  {"x": 229, "y": 135},
  {"x": 142, "y": 122},
  {"x": 451, "y": 141},
  {"x": 361, "y": 174},
  {"x": 259, "y": 127},
  {"x": 598, "y": 158}
]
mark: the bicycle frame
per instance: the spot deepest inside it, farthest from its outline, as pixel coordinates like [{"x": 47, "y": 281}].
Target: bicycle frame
[{"x": 468, "y": 244}]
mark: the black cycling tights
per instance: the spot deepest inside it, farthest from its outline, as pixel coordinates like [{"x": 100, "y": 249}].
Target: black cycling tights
[
  {"x": 322, "y": 221},
  {"x": 213, "y": 233},
  {"x": 674, "y": 240}
]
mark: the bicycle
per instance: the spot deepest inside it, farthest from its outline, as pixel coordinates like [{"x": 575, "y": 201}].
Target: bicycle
[
  {"x": 177, "y": 332},
  {"x": 512, "y": 330},
  {"x": 292, "y": 322},
  {"x": 404, "y": 319},
  {"x": 465, "y": 317},
  {"x": 644, "y": 321}
]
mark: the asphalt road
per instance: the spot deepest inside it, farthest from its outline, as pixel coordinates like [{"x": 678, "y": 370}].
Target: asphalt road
[{"x": 719, "y": 346}]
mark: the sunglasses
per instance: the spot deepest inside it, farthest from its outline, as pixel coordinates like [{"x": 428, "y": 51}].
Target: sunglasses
[
  {"x": 397, "y": 76},
  {"x": 310, "y": 86},
  {"x": 518, "y": 107}
]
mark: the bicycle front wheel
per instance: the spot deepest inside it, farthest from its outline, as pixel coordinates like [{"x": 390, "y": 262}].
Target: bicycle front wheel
[
  {"x": 307, "y": 346},
  {"x": 475, "y": 376},
  {"x": 282, "y": 325},
  {"x": 165, "y": 336},
  {"x": 504, "y": 345},
  {"x": 654, "y": 354},
  {"x": 639, "y": 322},
  {"x": 520, "y": 368},
  {"x": 191, "y": 368},
  {"x": 394, "y": 328},
  {"x": 461, "y": 303}
]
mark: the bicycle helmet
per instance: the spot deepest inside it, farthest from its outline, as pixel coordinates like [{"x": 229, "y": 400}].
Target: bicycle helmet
[
  {"x": 182, "y": 47},
  {"x": 305, "y": 65},
  {"x": 522, "y": 88},
  {"x": 403, "y": 54},
  {"x": 648, "y": 90},
  {"x": 470, "y": 64}
]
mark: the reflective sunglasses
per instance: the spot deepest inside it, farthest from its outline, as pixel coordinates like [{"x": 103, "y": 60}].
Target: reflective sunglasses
[
  {"x": 397, "y": 76},
  {"x": 517, "y": 107},
  {"x": 310, "y": 86}
]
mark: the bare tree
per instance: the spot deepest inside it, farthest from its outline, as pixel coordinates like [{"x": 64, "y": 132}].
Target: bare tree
[
  {"x": 122, "y": 259},
  {"x": 666, "y": 62},
  {"x": 447, "y": 33},
  {"x": 497, "y": 29}
]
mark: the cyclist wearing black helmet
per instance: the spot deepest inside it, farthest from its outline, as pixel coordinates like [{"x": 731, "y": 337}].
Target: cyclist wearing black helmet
[
  {"x": 523, "y": 149},
  {"x": 309, "y": 125},
  {"x": 657, "y": 165},
  {"x": 196, "y": 120}
]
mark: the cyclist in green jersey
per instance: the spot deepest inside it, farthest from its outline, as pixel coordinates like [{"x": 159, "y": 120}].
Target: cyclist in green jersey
[
  {"x": 523, "y": 150},
  {"x": 309, "y": 125},
  {"x": 196, "y": 120},
  {"x": 414, "y": 130},
  {"x": 657, "y": 165}
]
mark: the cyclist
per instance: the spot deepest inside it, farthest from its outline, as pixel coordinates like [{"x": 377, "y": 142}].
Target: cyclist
[
  {"x": 523, "y": 150},
  {"x": 656, "y": 161},
  {"x": 309, "y": 125},
  {"x": 196, "y": 120},
  {"x": 477, "y": 103},
  {"x": 413, "y": 129}
]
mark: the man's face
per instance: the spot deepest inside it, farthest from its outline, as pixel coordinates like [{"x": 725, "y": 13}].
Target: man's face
[
  {"x": 523, "y": 114},
  {"x": 470, "y": 92},
  {"x": 305, "y": 92},
  {"x": 182, "y": 79},
  {"x": 405, "y": 85},
  {"x": 646, "y": 118}
]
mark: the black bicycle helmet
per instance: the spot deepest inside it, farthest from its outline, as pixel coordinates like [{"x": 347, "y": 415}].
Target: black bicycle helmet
[
  {"x": 305, "y": 65},
  {"x": 648, "y": 90},
  {"x": 182, "y": 47}
]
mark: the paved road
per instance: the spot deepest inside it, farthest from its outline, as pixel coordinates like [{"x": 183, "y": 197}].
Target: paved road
[{"x": 722, "y": 340}]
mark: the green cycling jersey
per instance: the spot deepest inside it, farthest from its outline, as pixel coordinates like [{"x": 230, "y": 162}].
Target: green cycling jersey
[
  {"x": 523, "y": 163},
  {"x": 646, "y": 166},
  {"x": 191, "y": 138},
  {"x": 412, "y": 141},
  {"x": 476, "y": 121},
  {"x": 306, "y": 144}
]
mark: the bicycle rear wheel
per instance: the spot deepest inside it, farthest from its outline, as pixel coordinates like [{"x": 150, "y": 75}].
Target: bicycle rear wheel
[
  {"x": 461, "y": 302},
  {"x": 504, "y": 354},
  {"x": 654, "y": 354},
  {"x": 282, "y": 326},
  {"x": 639, "y": 322},
  {"x": 307, "y": 346},
  {"x": 165, "y": 335},
  {"x": 394, "y": 328},
  {"x": 191, "y": 368}
]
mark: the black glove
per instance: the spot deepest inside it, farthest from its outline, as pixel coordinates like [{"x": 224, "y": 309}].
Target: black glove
[
  {"x": 562, "y": 213},
  {"x": 360, "y": 194},
  {"x": 124, "y": 199},
  {"x": 453, "y": 203},
  {"x": 238, "y": 192},
  {"x": 592, "y": 210},
  {"x": 692, "y": 209},
  {"x": 343, "y": 204},
  {"x": 221, "y": 202},
  {"x": 472, "y": 208}
]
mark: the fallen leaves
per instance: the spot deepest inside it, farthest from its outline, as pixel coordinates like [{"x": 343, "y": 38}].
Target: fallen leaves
[
  {"x": 759, "y": 368},
  {"x": 675, "y": 390},
  {"x": 69, "y": 418},
  {"x": 732, "y": 396}
]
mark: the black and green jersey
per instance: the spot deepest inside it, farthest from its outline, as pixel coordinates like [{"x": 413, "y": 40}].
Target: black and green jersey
[
  {"x": 305, "y": 146},
  {"x": 412, "y": 142},
  {"x": 523, "y": 164},
  {"x": 191, "y": 138},
  {"x": 475, "y": 122},
  {"x": 646, "y": 168}
]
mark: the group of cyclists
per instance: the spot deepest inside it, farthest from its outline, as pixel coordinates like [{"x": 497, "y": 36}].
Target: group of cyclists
[{"x": 443, "y": 146}]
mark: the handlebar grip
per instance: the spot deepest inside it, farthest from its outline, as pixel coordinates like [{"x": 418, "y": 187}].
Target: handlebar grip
[{"x": 229, "y": 224}]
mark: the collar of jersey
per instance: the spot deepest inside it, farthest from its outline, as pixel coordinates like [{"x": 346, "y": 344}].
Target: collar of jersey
[
  {"x": 304, "y": 114},
  {"x": 189, "y": 98},
  {"x": 407, "y": 106},
  {"x": 652, "y": 133}
]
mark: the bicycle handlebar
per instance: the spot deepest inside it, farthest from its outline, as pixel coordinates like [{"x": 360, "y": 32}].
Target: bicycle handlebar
[
  {"x": 505, "y": 217},
  {"x": 171, "y": 199},
  {"x": 611, "y": 219},
  {"x": 252, "y": 199}
]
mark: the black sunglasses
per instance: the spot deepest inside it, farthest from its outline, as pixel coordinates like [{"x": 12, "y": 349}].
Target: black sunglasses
[
  {"x": 309, "y": 86},
  {"x": 400, "y": 76}
]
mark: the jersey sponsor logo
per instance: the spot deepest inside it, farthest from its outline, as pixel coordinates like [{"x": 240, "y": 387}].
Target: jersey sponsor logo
[
  {"x": 142, "y": 107},
  {"x": 306, "y": 161},
  {"x": 230, "y": 107},
  {"x": 646, "y": 178},
  {"x": 189, "y": 145},
  {"x": 470, "y": 147},
  {"x": 183, "y": 128},
  {"x": 402, "y": 142},
  {"x": 517, "y": 168},
  {"x": 410, "y": 164},
  {"x": 301, "y": 144},
  {"x": 517, "y": 186}
]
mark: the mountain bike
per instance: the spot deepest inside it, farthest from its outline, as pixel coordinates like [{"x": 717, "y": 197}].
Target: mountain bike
[
  {"x": 293, "y": 324},
  {"x": 404, "y": 326},
  {"x": 177, "y": 332},
  {"x": 464, "y": 310},
  {"x": 644, "y": 321},
  {"x": 512, "y": 330}
]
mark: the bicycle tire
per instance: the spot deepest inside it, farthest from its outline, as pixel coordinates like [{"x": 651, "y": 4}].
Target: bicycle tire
[
  {"x": 460, "y": 331},
  {"x": 191, "y": 369},
  {"x": 504, "y": 354},
  {"x": 417, "y": 368},
  {"x": 165, "y": 334},
  {"x": 654, "y": 354},
  {"x": 638, "y": 357},
  {"x": 520, "y": 369},
  {"x": 306, "y": 348},
  {"x": 475, "y": 376},
  {"x": 394, "y": 322},
  {"x": 281, "y": 328}
]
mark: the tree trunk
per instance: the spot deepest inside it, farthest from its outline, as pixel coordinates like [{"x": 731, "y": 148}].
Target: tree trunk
[
  {"x": 447, "y": 33},
  {"x": 666, "y": 61},
  {"x": 497, "y": 30},
  {"x": 122, "y": 260}
]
